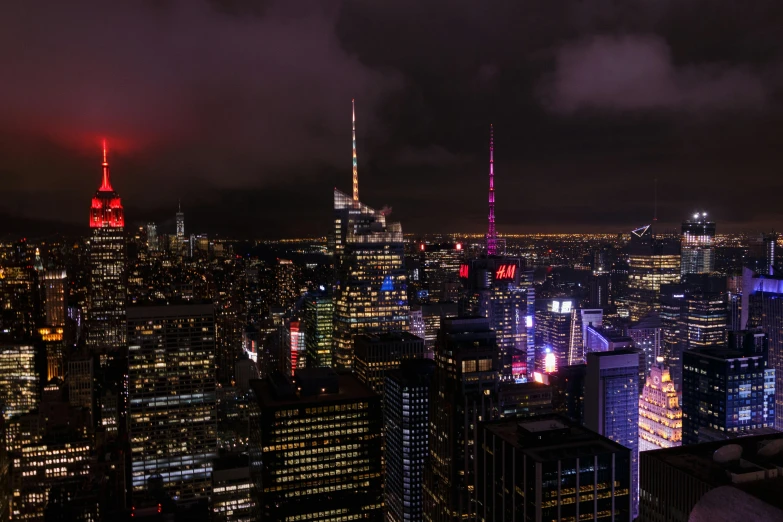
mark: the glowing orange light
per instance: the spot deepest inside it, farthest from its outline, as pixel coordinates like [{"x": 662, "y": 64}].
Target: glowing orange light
[
  {"x": 422, "y": 246},
  {"x": 550, "y": 363},
  {"x": 459, "y": 246}
]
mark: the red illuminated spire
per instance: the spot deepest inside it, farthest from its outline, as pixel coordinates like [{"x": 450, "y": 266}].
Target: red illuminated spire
[{"x": 105, "y": 182}]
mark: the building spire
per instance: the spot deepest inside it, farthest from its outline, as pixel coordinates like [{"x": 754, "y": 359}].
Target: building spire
[
  {"x": 105, "y": 182},
  {"x": 491, "y": 233},
  {"x": 355, "y": 165}
]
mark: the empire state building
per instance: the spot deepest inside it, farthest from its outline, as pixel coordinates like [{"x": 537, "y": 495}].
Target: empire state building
[{"x": 106, "y": 322}]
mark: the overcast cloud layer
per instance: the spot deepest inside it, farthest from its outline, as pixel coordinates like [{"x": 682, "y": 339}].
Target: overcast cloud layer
[{"x": 242, "y": 109}]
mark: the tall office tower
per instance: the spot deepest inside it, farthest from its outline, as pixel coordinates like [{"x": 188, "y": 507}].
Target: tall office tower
[
  {"x": 53, "y": 334},
  {"x": 499, "y": 289},
  {"x": 318, "y": 327},
  {"x": 18, "y": 379},
  {"x": 646, "y": 335},
  {"x": 232, "y": 490},
  {"x": 723, "y": 389},
  {"x": 81, "y": 383},
  {"x": 770, "y": 247},
  {"x": 558, "y": 338},
  {"x": 152, "y": 237},
  {"x": 180, "y": 224},
  {"x": 406, "y": 406},
  {"x": 55, "y": 292},
  {"x": 441, "y": 264},
  {"x": 600, "y": 285},
  {"x": 612, "y": 404},
  {"x": 492, "y": 236},
  {"x": 463, "y": 393},
  {"x": 694, "y": 314},
  {"x": 660, "y": 416},
  {"x": 698, "y": 245},
  {"x": 316, "y": 448},
  {"x": 716, "y": 481},
  {"x": 285, "y": 283},
  {"x": 762, "y": 306},
  {"x": 652, "y": 262},
  {"x": 295, "y": 357},
  {"x": 172, "y": 418},
  {"x": 106, "y": 327},
  {"x": 371, "y": 288},
  {"x": 539, "y": 469},
  {"x": 374, "y": 356}
]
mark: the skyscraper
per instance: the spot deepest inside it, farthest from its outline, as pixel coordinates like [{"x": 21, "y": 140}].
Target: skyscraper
[
  {"x": 318, "y": 327},
  {"x": 172, "y": 417},
  {"x": 152, "y": 237},
  {"x": 108, "y": 285},
  {"x": 698, "y": 245},
  {"x": 660, "y": 416},
  {"x": 548, "y": 468},
  {"x": 377, "y": 355},
  {"x": 652, "y": 261},
  {"x": 762, "y": 306},
  {"x": 406, "y": 423},
  {"x": 18, "y": 379},
  {"x": 463, "y": 393},
  {"x": 723, "y": 389},
  {"x": 499, "y": 289},
  {"x": 285, "y": 283},
  {"x": 180, "y": 224},
  {"x": 316, "y": 448},
  {"x": 612, "y": 403},
  {"x": 558, "y": 336}
]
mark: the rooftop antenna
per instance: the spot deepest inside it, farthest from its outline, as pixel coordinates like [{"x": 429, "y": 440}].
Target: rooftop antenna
[
  {"x": 355, "y": 164},
  {"x": 491, "y": 233}
]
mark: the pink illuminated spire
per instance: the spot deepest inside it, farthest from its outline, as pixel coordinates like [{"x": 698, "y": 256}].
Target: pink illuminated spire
[
  {"x": 105, "y": 182},
  {"x": 355, "y": 164},
  {"x": 492, "y": 237}
]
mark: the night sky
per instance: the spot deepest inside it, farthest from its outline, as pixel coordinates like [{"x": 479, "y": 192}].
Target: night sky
[{"x": 242, "y": 109}]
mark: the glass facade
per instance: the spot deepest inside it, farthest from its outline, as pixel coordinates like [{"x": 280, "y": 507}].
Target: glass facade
[
  {"x": 652, "y": 261},
  {"x": 371, "y": 289},
  {"x": 18, "y": 379},
  {"x": 725, "y": 390},
  {"x": 172, "y": 418},
  {"x": 318, "y": 325},
  {"x": 612, "y": 403},
  {"x": 698, "y": 246},
  {"x": 316, "y": 451},
  {"x": 406, "y": 428}
]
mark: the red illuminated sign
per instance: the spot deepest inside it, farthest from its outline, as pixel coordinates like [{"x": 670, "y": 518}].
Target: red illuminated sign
[
  {"x": 505, "y": 272},
  {"x": 463, "y": 271}
]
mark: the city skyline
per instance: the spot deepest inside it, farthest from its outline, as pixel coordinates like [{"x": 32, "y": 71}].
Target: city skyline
[{"x": 241, "y": 155}]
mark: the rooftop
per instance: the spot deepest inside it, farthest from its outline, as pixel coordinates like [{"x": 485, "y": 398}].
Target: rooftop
[
  {"x": 551, "y": 437},
  {"x": 271, "y": 394}
]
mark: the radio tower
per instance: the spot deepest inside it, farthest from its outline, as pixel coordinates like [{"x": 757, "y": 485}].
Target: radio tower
[
  {"x": 355, "y": 165},
  {"x": 492, "y": 238}
]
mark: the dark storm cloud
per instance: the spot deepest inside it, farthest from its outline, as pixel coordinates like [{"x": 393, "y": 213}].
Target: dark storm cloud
[{"x": 636, "y": 72}]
